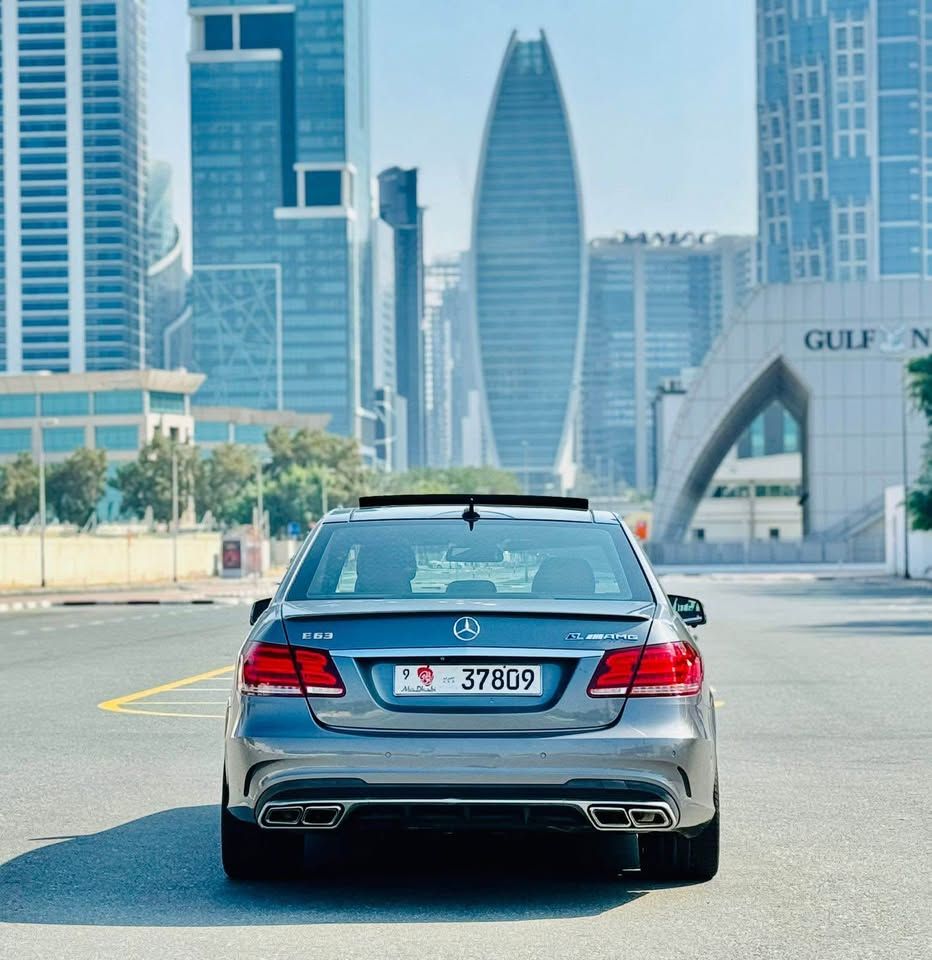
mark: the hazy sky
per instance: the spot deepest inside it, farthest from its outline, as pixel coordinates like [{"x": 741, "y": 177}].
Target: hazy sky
[{"x": 660, "y": 95}]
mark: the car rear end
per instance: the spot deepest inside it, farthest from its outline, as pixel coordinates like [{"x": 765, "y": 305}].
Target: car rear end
[{"x": 517, "y": 670}]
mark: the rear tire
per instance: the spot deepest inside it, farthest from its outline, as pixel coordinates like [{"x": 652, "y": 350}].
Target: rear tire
[
  {"x": 671, "y": 856},
  {"x": 250, "y": 853}
]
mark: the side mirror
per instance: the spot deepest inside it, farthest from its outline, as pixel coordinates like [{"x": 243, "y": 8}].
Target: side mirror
[
  {"x": 691, "y": 611},
  {"x": 258, "y": 608}
]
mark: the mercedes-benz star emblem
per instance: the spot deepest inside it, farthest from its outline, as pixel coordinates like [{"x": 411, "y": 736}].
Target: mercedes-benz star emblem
[{"x": 466, "y": 628}]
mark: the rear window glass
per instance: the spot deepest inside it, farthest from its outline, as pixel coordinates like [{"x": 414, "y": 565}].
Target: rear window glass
[{"x": 540, "y": 559}]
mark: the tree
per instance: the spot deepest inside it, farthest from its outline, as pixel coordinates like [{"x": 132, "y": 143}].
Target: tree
[
  {"x": 226, "y": 484},
  {"x": 74, "y": 486},
  {"x": 920, "y": 389},
  {"x": 295, "y": 495},
  {"x": 19, "y": 490},
  {"x": 449, "y": 480},
  {"x": 147, "y": 481},
  {"x": 335, "y": 461}
]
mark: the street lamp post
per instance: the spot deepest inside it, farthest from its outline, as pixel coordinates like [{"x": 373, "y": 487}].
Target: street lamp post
[
  {"x": 905, "y": 445},
  {"x": 174, "y": 513},
  {"x": 385, "y": 414},
  {"x": 42, "y": 508},
  {"x": 260, "y": 505}
]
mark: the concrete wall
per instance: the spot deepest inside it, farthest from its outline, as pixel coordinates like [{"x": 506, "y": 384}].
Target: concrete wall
[
  {"x": 920, "y": 541},
  {"x": 281, "y": 552},
  {"x": 83, "y": 559}
]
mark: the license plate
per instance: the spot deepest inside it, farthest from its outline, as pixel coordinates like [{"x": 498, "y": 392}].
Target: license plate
[{"x": 496, "y": 679}]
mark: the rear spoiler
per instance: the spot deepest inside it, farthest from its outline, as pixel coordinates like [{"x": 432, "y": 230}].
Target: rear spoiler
[{"x": 473, "y": 499}]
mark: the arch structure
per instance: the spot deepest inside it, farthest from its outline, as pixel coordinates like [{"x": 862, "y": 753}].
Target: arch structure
[{"x": 834, "y": 354}]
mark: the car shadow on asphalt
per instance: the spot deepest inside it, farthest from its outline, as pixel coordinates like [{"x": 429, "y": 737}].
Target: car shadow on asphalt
[{"x": 164, "y": 870}]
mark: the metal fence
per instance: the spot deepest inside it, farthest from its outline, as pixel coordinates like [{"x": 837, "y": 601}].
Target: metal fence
[{"x": 862, "y": 549}]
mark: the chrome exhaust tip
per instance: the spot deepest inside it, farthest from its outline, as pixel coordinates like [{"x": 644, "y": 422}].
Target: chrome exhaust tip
[
  {"x": 614, "y": 816},
  {"x": 282, "y": 816},
  {"x": 650, "y": 818},
  {"x": 321, "y": 815},
  {"x": 610, "y": 817},
  {"x": 312, "y": 816}
]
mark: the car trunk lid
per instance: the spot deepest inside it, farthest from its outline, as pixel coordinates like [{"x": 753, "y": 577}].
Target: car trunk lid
[{"x": 369, "y": 639}]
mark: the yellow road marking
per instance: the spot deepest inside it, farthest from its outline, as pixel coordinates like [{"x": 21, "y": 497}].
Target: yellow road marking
[
  {"x": 119, "y": 704},
  {"x": 719, "y": 703}
]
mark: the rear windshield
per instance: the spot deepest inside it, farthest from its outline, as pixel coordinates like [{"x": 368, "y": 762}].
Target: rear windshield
[{"x": 397, "y": 559}]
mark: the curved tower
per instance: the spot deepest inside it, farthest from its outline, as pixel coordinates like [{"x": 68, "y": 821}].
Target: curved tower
[
  {"x": 529, "y": 264},
  {"x": 167, "y": 331}
]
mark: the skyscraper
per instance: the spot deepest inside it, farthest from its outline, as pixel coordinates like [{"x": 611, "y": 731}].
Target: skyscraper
[
  {"x": 528, "y": 261},
  {"x": 280, "y": 184},
  {"x": 452, "y": 379},
  {"x": 398, "y": 207},
  {"x": 442, "y": 298},
  {"x": 842, "y": 97},
  {"x": 166, "y": 278},
  {"x": 656, "y": 301},
  {"x": 72, "y": 268}
]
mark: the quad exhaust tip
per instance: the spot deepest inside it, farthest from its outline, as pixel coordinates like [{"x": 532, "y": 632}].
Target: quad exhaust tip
[
  {"x": 610, "y": 816},
  {"x": 311, "y": 815}
]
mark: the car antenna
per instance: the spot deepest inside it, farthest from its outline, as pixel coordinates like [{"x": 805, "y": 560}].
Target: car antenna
[{"x": 469, "y": 514}]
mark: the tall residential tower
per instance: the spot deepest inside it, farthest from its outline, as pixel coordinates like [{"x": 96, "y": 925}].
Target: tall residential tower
[
  {"x": 72, "y": 163},
  {"x": 528, "y": 260},
  {"x": 280, "y": 184},
  {"x": 843, "y": 100}
]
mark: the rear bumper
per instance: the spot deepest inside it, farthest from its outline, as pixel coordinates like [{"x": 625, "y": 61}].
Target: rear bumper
[
  {"x": 570, "y": 809},
  {"x": 662, "y": 752}
]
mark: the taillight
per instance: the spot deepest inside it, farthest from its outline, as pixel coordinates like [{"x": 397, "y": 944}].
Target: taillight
[
  {"x": 614, "y": 673},
  {"x": 318, "y": 673},
  {"x": 665, "y": 670},
  {"x": 276, "y": 670}
]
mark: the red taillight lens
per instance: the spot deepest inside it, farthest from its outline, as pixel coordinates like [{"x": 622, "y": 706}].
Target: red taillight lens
[
  {"x": 318, "y": 673},
  {"x": 613, "y": 675},
  {"x": 665, "y": 670},
  {"x": 272, "y": 669}
]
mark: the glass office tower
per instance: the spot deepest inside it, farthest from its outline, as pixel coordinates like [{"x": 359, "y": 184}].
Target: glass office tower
[
  {"x": 656, "y": 302},
  {"x": 280, "y": 185},
  {"x": 528, "y": 261},
  {"x": 398, "y": 207},
  {"x": 72, "y": 162},
  {"x": 843, "y": 99}
]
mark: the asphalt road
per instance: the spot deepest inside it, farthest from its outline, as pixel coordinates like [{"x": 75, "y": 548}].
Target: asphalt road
[{"x": 108, "y": 819}]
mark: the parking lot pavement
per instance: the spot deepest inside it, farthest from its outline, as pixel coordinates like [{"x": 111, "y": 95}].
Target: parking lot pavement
[{"x": 110, "y": 773}]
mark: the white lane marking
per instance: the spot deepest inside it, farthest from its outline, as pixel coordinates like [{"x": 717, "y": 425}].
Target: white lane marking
[
  {"x": 184, "y": 703},
  {"x": 20, "y": 633}
]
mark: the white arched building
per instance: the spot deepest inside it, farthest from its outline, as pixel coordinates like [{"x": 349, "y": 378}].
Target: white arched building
[{"x": 835, "y": 355}]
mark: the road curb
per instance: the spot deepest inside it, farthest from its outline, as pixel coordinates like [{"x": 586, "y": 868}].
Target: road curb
[{"x": 20, "y": 605}]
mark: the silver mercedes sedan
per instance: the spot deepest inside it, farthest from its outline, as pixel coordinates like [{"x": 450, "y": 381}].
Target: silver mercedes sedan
[{"x": 455, "y": 663}]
